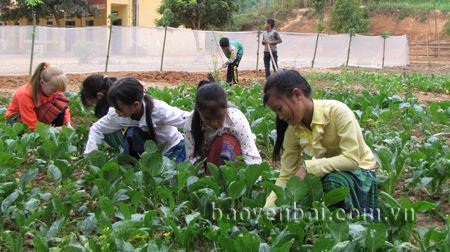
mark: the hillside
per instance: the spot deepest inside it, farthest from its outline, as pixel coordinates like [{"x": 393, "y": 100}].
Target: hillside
[{"x": 304, "y": 20}]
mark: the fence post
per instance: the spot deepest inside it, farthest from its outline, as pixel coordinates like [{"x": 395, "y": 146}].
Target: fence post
[
  {"x": 320, "y": 28},
  {"x": 112, "y": 18},
  {"x": 385, "y": 35},
  {"x": 32, "y": 41},
  {"x": 427, "y": 48},
  {"x": 257, "y": 50},
  {"x": 417, "y": 53},
  {"x": 439, "y": 59},
  {"x": 260, "y": 20},
  {"x": 352, "y": 33},
  {"x": 164, "y": 45}
]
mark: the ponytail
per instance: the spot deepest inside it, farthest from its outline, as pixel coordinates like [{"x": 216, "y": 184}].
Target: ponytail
[
  {"x": 149, "y": 105},
  {"x": 197, "y": 132},
  {"x": 49, "y": 74},
  {"x": 281, "y": 127}
]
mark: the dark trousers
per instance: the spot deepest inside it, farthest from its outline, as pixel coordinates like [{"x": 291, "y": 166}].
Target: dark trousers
[
  {"x": 59, "y": 120},
  {"x": 232, "y": 72},
  {"x": 267, "y": 62}
]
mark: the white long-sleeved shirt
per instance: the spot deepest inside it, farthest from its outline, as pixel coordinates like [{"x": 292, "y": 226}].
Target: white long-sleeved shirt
[
  {"x": 166, "y": 119},
  {"x": 235, "y": 124}
]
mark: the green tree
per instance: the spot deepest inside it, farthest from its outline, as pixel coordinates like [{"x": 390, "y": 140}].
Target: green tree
[
  {"x": 197, "y": 14},
  {"x": 346, "y": 14},
  {"x": 447, "y": 27},
  {"x": 18, "y": 9}
]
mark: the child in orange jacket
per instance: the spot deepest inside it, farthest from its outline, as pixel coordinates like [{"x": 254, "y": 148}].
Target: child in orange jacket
[{"x": 41, "y": 100}]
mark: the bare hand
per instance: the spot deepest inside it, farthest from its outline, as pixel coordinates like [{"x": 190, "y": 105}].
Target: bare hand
[
  {"x": 301, "y": 173},
  {"x": 69, "y": 126}
]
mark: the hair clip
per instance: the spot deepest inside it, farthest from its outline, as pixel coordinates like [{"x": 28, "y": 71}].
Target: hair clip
[
  {"x": 104, "y": 77},
  {"x": 46, "y": 64},
  {"x": 145, "y": 91}
]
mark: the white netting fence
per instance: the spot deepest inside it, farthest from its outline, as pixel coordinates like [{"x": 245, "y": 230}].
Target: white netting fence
[{"x": 83, "y": 49}]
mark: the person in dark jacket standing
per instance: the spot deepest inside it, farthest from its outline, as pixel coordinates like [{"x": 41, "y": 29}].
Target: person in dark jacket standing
[
  {"x": 270, "y": 38},
  {"x": 234, "y": 51}
]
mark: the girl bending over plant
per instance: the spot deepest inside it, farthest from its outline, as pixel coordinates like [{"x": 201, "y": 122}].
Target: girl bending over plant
[
  {"x": 217, "y": 131},
  {"x": 41, "y": 100},
  {"x": 328, "y": 131},
  {"x": 145, "y": 118},
  {"x": 95, "y": 92}
]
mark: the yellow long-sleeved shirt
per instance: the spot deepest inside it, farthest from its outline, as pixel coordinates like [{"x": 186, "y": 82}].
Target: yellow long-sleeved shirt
[{"x": 335, "y": 141}]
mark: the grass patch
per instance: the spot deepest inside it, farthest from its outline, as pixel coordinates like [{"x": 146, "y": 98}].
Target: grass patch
[{"x": 443, "y": 5}]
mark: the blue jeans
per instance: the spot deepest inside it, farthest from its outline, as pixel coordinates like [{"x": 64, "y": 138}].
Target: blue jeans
[{"x": 267, "y": 62}]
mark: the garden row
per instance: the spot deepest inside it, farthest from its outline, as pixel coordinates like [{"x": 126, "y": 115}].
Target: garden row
[{"x": 54, "y": 197}]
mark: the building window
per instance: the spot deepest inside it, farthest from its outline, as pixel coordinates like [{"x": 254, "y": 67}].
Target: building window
[
  {"x": 70, "y": 23},
  {"x": 118, "y": 21},
  {"x": 89, "y": 22},
  {"x": 49, "y": 23}
]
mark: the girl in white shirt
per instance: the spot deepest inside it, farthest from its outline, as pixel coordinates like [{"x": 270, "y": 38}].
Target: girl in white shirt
[
  {"x": 217, "y": 131},
  {"x": 94, "y": 91},
  {"x": 146, "y": 119}
]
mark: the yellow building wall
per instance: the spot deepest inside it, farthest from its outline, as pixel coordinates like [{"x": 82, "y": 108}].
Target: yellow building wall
[
  {"x": 123, "y": 13},
  {"x": 125, "y": 2},
  {"x": 147, "y": 12},
  {"x": 146, "y": 16},
  {"x": 97, "y": 21}
]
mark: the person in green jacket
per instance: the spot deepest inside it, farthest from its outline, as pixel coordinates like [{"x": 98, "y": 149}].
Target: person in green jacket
[{"x": 233, "y": 50}]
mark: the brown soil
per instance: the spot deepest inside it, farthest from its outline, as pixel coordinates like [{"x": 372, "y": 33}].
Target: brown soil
[
  {"x": 8, "y": 84},
  {"x": 431, "y": 26}
]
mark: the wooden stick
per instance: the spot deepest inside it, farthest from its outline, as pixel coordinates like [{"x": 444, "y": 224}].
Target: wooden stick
[
  {"x": 439, "y": 59},
  {"x": 442, "y": 134},
  {"x": 273, "y": 60},
  {"x": 427, "y": 48},
  {"x": 417, "y": 53}
]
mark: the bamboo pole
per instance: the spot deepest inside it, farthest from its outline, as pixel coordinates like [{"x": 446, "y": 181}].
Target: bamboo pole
[
  {"x": 315, "y": 50},
  {"x": 257, "y": 50},
  {"x": 349, "y": 46},
  {"x": 384, "y": 51},
  {"x": 32, "y": 41},
  {"x": 273, "y": 60},
  {"x": 435, "y": 22},
  {"x": 439, "y": 59},
  {"x": 417, "y": 53},
  {"x": 164, "y": 45},
  {"x": 427, "y": 47},
  {"x": 109, "y": 48}
]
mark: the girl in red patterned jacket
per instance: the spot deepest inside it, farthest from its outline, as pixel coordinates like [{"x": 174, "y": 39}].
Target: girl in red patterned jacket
[{"x": 41, "y": 100}]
